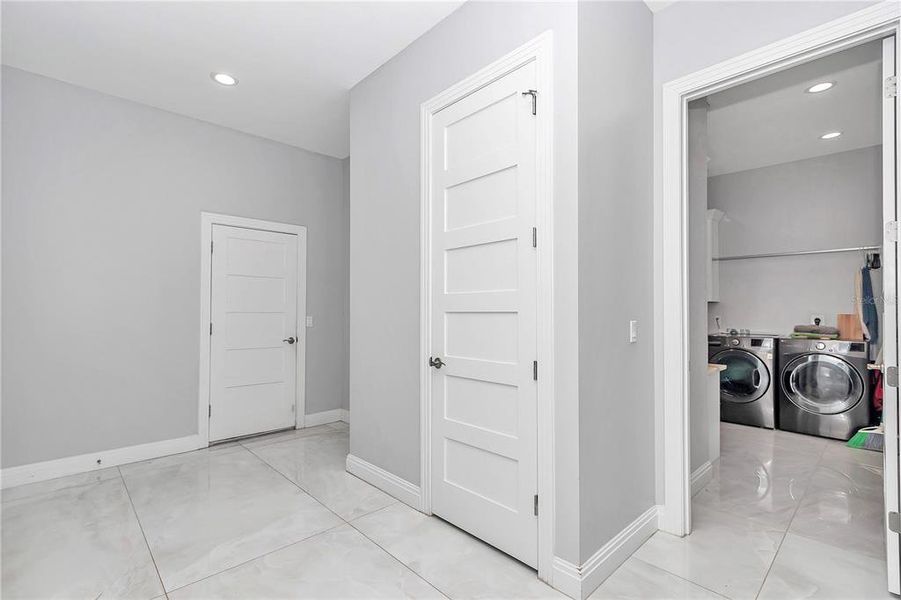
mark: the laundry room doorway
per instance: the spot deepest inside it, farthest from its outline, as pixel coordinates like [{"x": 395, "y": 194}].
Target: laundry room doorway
[{"x": 778, "y": 342}]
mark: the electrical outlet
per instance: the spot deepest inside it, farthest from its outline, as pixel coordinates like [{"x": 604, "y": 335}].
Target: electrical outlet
[{"x": 309, "y": 321}]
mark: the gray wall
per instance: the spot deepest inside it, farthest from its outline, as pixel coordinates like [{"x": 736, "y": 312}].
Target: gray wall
[
  {"x": 616, "y": 405},
  {"x": 697, "y": 282},
  {"x": 832, "y": 201},
  {"x": 101, "y": 263},
  {"x": 689, "y": 36},
  {"x": 384, "y": 225}
]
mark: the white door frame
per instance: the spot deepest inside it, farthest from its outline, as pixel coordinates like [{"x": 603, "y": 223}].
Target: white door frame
[
  {"x": 207, "y": 220},
  {"x": 670, "y": 212},
  {"x": 538, "y": 50}
]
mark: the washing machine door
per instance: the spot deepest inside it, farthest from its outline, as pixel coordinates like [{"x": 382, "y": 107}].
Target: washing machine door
[
  {"x": 822, "y": 384},
  {"x": 746, "y": 377}
]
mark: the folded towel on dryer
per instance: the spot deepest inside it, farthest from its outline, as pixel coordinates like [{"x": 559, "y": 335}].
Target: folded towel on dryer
[
  {"x": 816, "y": 329},
  {"x": 815, "y": 336}
]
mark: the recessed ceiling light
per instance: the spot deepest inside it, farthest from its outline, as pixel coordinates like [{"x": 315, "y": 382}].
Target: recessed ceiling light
[
  {"x": 831, "y": 135},
  {"x": 820, "y": 87},
  {"x": 224, "y": 79}
]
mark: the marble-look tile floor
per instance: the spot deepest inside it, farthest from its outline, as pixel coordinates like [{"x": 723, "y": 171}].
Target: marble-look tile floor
[
  {"x": 271, "y": 517},
  {"x": 785, "y": 516}
]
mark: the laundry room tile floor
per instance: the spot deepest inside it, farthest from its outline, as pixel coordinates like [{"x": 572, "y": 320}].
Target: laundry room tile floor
[{"x": 784, "y": 516}]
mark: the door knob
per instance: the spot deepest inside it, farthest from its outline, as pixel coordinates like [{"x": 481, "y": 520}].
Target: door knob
[
  {"x": 290, "y": 340},
  {"x": 436, "y": 362}
]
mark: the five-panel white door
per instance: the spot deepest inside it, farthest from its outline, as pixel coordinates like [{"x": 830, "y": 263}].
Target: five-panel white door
[
  {"x": 483, "y": 314},
  {"x": 253, "y": 335}
]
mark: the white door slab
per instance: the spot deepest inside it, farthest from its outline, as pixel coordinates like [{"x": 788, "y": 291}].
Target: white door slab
[
  {"x": 254, "y": 318},
  {"x": 890, "y": 318},
  {"x": 483, "y": 318}
]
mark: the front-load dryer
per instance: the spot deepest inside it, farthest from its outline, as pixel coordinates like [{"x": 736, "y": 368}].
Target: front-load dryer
[
  {"x": 746, "y": 385},
  {"x": 824, "y": 387}
]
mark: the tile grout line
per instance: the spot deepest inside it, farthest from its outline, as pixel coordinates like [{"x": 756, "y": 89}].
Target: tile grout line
[
  {"x": 677, "y": 576},
  {"x": 790, "y": 521},
  {"x": 134, "y": 510},
  {"x": 267, "y": 553},
  {"x": 388, "y": 552}
]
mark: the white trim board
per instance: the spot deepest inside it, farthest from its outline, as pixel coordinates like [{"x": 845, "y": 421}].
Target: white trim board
[
  {"x": 701, "y": 477},
  {"x": 540, "y": 51},
  {"x": 389, "y": 483},
  {"x": 580, "y": 582},
  {"x": 207, "y": 220},
  {"x": 95, "y": 461},
  {"x": 326, "y": 416},
  {"x": 670, "y": 240}
]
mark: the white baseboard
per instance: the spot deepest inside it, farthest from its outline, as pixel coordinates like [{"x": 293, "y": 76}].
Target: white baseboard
[
  {"x": 326, "y": 416},
  {"x": 701, "y": 477},
  {"x": 580, "y": 582},
  {"x": 84, "y": 463},
  {"x": 389, "y": 483}
]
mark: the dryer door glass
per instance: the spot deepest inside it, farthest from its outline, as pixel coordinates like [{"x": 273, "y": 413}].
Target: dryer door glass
[
  {"x": 822, "y": 384},
  {"x": 746, "y": 377}
]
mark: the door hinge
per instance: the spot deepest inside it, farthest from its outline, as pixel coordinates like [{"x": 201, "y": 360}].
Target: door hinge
[
  {"x": 892, "y": 231},
  {"x": 891, "y": 377},
  {"x": 534, "y": 237},
  {"x": 890, "y": 88},
  {"x": 211, "y": 247},
  {"x": 894, "y": 522},
  {"x": 534, "y": 95},
  {"x": 535, "y": 370},
  {"x": 211, "y": 329},
  {"x": 536, "y": 505},
  {"x": 209, "y": 411}
]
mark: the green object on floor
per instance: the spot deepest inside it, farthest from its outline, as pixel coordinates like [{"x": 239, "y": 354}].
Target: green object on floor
[{"x": 868, "y": 438}]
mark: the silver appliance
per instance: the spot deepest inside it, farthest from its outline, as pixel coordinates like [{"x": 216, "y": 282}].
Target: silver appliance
[
  {"x": 746, "y": 385},
  {"x": 824, "y": 387}
]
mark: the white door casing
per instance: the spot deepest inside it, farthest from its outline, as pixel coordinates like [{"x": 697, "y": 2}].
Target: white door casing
[
  {"x": 484, "y": 322},
  {"x": 255, "y": 289},
  {"x": 671, "y": 260},
  {"x": 890, "y": 421}
]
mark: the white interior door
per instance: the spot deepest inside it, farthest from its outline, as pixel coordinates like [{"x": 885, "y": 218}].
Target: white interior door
[
  {"x": 890, "y": 318},
  {"x": 253, "y": 331},
  {"x": 483, "y": 317}
]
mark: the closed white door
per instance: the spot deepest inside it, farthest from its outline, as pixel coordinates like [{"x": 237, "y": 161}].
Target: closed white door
[
  {"x": 890, "y": 416},
  {"x": 483, "y": 316},
  {"x": 253, "y": 333}
]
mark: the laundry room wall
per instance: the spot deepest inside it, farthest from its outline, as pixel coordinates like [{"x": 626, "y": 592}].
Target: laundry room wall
[{"x": 832, "y": 201}]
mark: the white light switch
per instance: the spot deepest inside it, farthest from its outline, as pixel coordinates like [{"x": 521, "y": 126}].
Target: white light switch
[
  {"x": 633, "y": 332},
  {"x": 309, "y": 321}
]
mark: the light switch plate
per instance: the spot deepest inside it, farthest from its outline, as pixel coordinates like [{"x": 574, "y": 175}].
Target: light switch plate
[
  {"x": 633, "y": 332},
  {"x": 309, "y": 321}
]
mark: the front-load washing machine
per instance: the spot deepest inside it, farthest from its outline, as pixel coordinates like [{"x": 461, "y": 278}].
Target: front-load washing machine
[
  {"x": 746, "y": 385},
  {"x": 824, "y": 387}
]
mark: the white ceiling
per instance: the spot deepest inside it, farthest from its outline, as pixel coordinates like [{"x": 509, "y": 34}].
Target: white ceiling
[
  {"x": 773, "y": 120},
  {"x": 295, "y": 61}
]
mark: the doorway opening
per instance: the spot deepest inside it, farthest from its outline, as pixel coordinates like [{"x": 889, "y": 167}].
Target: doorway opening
[{"x": 792, "y": 340}]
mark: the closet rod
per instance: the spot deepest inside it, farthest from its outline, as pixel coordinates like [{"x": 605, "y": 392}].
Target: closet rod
[{"x": 800, "y": 253}]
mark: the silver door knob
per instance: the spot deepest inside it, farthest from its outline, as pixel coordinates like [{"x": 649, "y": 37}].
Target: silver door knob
[{"x": 290, "y": 340}]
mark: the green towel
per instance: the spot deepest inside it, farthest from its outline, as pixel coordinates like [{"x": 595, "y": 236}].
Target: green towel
[{"x": 815, "y": 336}]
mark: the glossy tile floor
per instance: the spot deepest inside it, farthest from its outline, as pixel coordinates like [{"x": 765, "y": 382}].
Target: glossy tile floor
[
  {"x": 272, "y": 517},
  {"x": 785, "y": 516}
]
